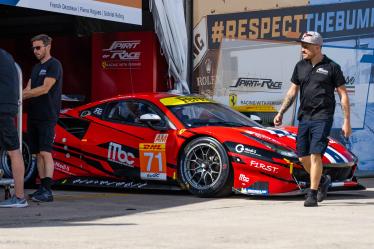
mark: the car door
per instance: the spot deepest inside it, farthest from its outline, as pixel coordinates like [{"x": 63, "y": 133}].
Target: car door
[{"x": 125, "y": 147}]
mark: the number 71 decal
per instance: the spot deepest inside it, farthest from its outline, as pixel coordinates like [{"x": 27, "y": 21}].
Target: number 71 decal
[{"x": 152, "y": 161}]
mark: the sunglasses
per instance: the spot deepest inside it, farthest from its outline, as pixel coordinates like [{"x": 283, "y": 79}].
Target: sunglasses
[{"x": 36, "y": 48}]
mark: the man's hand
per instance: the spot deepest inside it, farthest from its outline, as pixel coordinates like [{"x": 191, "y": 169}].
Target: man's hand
[
  {"x": 346, "y": 129},
  {"x": 278, "y": 119},
  {"x": 287, "y": 102}
]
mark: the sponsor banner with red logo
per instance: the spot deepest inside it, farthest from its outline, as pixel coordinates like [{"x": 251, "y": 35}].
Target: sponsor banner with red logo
[{"x": 125, "y": 62}]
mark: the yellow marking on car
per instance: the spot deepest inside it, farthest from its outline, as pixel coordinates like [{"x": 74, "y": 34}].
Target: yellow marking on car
[
  {"x": 181, "y": 131},
  {"x": 183, "y": 100},
  {"x": 290, "y": 164}
]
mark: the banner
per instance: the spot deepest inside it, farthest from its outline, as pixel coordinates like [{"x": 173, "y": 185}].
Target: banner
[
  {"x": 357, "y": 76},
  {"x": 254, "y": 76},
  {"x": 246, "y": 61},
  {"x": 125, "y": 11},
  {"x": 126, "y": 62},
  {"x": 340, "y": 21}
]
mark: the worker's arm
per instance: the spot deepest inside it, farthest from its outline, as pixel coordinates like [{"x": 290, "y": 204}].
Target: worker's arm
[
  {"x": 287, "y": 102},
  {"x": 40, "y": 90},
  {"x": 344, "y": 100}
]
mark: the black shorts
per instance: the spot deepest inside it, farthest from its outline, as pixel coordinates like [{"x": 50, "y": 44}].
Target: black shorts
[
  {"x": 8, "y": 132},
  {"x": 312, "y": 137},
  {"x": 41, "y": 135}
]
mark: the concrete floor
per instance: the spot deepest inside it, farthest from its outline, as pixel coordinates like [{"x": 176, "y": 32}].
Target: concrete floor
[{"x": 88, "y": 219}]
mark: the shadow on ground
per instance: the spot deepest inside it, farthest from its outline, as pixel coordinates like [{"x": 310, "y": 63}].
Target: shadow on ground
[{"x": 73, "y": 207}]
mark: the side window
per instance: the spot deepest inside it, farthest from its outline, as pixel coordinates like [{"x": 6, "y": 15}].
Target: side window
[
  {"x": 130, "y": 111},
  {"x": 96, "y": 111},
  {"x": 123, "y": 112}
]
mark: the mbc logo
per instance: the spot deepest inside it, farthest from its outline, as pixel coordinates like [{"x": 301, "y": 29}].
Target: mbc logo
[
  {"x": 117, "y": 155},
  {"x": 243, "y": 178}
]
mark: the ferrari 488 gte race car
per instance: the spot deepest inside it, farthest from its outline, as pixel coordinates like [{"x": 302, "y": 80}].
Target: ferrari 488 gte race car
[{"x": 166, "y": 141}]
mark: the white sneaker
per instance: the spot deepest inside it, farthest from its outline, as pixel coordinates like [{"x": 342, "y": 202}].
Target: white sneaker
[{"x": 14, "y": 201}]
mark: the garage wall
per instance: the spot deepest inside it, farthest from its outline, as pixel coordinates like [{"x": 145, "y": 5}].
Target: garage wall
[{"x": 244, "y": 53}]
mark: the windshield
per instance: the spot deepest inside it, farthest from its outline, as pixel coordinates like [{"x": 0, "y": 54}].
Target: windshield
[{"x": 208, "y": 114}]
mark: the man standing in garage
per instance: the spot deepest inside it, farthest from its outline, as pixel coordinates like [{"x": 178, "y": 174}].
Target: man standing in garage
[
  {"x": 44, "y": 91},
  {"x": 9, "y": 140},
  {"x": 317, "y": 77}
]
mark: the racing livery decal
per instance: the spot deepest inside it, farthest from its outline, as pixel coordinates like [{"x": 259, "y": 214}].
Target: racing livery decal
[{"x": 152, "y": 161}]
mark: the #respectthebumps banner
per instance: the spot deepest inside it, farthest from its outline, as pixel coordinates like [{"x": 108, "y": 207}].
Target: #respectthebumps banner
[
  {"x": 126, "y": 11},
  {"x": 246, "y": 60}
]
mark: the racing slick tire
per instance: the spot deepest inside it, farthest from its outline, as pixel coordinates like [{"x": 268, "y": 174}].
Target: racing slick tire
[
  {"x": 205, "y": 168},
  {"x": 30, "y": 164}
]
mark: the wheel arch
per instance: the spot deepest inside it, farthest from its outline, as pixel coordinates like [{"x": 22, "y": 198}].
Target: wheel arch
[{"x": 181, "y": 150}]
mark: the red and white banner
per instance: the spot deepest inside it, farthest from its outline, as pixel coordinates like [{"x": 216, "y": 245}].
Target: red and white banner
[{"x": 126, "y": 62}]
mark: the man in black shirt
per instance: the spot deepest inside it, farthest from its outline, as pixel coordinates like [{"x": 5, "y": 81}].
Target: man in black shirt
[
  {"x": 317, "y": 77},
  {"x": 9, "y": 140},
  {"x": 44, "y": 91}
]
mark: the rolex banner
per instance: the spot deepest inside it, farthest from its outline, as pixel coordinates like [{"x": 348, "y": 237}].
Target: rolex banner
[{"x": 125, "y": 11}]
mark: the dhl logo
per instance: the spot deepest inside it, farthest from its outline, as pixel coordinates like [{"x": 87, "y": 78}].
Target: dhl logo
[{"x": 152, "y": 146}]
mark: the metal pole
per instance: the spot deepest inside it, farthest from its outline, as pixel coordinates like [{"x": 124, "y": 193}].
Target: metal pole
[
  {"x": 188, "y": 10},
  {"x": 19, "y": 115}
]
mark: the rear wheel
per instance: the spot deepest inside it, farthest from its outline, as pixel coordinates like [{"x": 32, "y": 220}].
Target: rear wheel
[
  {"x": 30, "y": 164},
  {"x": 205, "y": 168}
]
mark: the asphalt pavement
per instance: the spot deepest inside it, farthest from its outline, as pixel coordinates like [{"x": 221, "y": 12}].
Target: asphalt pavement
[{"x": 159, "y": 219}]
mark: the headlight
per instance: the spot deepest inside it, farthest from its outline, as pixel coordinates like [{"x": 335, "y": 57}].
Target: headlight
[{"x": 279, "y": 149}]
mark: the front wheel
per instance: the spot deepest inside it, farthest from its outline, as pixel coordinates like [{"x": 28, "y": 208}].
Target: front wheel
[
  {"x": 30, "y": 164},
  {"x": 205, "y": 168}
]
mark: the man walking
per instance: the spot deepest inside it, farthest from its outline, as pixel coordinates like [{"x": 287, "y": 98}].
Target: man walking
[
  {"x": 317, "y": 77},
  {"x": 44, "y": 91},
  {"x": 9, "y": 140}
]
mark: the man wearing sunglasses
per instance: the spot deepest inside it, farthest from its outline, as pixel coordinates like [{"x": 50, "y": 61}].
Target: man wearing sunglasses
[
  {"x": 9, "y": 140},
  {"x": 317, "y": 77},
  {"x": 44, "y": 93}
]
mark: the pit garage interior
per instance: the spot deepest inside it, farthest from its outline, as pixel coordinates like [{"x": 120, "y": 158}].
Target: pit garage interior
[{"x": 73, "y": 44}]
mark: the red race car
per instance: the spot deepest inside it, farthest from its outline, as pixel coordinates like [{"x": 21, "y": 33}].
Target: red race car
[{"x": 160, "y": 140}]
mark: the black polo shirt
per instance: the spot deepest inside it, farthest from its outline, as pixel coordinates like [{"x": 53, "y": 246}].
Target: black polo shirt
[
  {"x": 46, "y": 107},
  {"x": 317, "y": 86},
  {"x": 9, "y": 84}
]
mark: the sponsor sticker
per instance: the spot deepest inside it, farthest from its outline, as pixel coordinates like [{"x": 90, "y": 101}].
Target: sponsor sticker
[
  {"x": 254, "y": 191},
  {"x": 183, "y": 100},
  {"x": 98, "y": 111},
  {"x": 152, "y": 161},
  {"x": 243, "y": 178},
  {"x": 117, "y": 154},
  {"x": 263, "y": 167},
  {"x": 62, "y": 167},
  {"x": 240, "y": 148},
  {"x": 161, "y": 138}
]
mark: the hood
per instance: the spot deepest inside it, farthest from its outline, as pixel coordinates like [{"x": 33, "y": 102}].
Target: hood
[
  {"x": 283, "y": 139},
  {"x": 335, "y": 155}
]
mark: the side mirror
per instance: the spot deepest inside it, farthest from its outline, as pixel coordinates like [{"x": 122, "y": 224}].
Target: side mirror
[
  {"x": 256, "y": 118},
  {"x": 152, "y": 120},
  {"x": 149, "y": 117}
]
